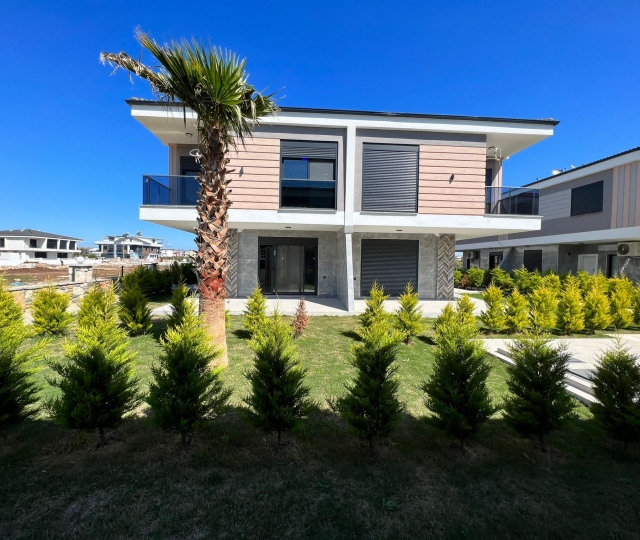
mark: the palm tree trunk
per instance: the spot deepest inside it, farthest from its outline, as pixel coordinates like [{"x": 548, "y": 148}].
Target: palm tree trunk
[{"x": 212, "y": 236}]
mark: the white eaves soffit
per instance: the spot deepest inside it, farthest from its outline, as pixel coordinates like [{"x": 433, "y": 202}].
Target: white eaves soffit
[{"x": 168, "y": 124}]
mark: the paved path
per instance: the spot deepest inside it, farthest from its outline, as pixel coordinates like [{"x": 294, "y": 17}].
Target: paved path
[{"x": 325, "y": 306}]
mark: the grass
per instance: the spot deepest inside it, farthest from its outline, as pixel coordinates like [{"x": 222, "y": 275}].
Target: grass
[{"x": 234, "y": 482}]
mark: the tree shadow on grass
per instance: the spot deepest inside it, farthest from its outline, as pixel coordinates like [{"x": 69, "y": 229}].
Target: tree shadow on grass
[
  {"x": 427, "y": 339},
  {"x": 351, "y": 334},
  {"x": 241, "y": 333}
]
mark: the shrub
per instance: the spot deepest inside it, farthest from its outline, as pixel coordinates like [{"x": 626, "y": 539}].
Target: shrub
[
  {"x": 457, "y": 278},
  {"x": 183, "y": 273},
  {"x": 538, "y": 401},
  {"x": 300, "y": 319},
  {"x": 134, "y": 311},
  {"x": 255, "y": 314},
  {"x": 475, "y": 277},
  {"x": 96, "y": 382},
  {"x": 10, "y": 311},
  {"x": 278, "y": 398},
  {"x": 18, "y": 391},
  {"x": 517, "y": 312},
  {"x": 571, "y": 310},
  {"x": 543, "y": 303},
  {"x": 49, "y": 311},
  {"x": 620, "y": 291},
  {"x": 456, "y": 393},
  {"x": 371, "y": 405},
  {"x": 501, "y": 279},
  {"x": 375, "y": 311},
  {"x": 181, "y": 306},
  {"x": 584, "y": 279},
  {"x": 408, "y": 319},
  {"x": 635, "y": 299},
  {"x": 526, "y": 281},
  {"x": 461, "y": 314},
  {"x": 486, "y": 280},
  {"x": 551, "y": 281},
  {"x": 186, "y": 390},
  {"x": 98, "y": 304},
  {"x": 494, "y": 318},
  {"x": 464, "y": 309},
  {"x": 596, "y": 310},
  {"x": 616, "y": 386}
]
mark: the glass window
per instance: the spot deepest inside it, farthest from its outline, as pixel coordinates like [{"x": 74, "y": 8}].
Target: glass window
[
  {"x": 321, "y": 170},
  {"x": 63, "y": 255},
  {"x": 587, "y": 199},
  {"x": 72, "y": 244},
  {"x": 533, "y": 259},
  {"x": 41, "y": 255},
  {"x": 33, "y": 243},
  {"x": 63, "y": 244},
  {"x": 1, "y": 242},
  {"x": 52, "y": 244},
  {"x": 295, "y": 168}
]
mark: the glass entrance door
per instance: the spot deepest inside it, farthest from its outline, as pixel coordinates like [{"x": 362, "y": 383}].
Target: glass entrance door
[{"x": 288, "y": 268}]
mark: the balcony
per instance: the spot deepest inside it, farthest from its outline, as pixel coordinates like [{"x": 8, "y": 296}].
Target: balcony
[
  {"x": 170, "y": 190},
  {"x": 512, "y": 201}
]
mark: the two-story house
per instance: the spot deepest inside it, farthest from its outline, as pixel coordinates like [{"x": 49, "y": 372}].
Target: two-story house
[
  {"x": 28, "y": 245},
  {"x": 586, "y": 213},
  {"x": 325, "y": 202},
  {"x": 127, "y": 246}
]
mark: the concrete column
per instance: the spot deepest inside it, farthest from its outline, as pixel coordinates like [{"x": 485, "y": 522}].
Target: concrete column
[
  {"x": 350, "y": 304},
  {"x": 350, "y": 179}
]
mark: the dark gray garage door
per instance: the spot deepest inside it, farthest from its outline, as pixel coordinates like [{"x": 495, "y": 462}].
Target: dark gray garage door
[{"x": 392, "y": 263}]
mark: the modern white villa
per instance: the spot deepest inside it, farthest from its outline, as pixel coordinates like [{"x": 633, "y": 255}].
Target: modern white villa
[
  {"x": 127, "y": 246},
  {"x": 325, "y": 202},
  {"x": 28, "y": 245}
]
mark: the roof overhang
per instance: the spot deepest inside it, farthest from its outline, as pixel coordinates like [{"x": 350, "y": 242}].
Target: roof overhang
[{"x": 171, "y": 124}]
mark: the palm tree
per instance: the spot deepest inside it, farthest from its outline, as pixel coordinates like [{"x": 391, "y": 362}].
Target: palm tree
[{"x": 214, "y": 84}]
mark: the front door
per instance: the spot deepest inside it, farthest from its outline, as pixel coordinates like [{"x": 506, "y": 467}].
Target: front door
[
  {"x": 588, "y": 263},
  {"x": 288, "y": 265}
]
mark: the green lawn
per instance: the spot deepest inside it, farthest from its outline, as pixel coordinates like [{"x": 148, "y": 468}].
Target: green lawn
[{"x": 234, "y": 482}]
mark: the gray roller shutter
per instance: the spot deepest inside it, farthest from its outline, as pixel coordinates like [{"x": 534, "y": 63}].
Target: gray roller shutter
[
  {"x": 392, "y": 263},
  {"x": 390, "y": 178},
  {"x": 309, "y": 149}
]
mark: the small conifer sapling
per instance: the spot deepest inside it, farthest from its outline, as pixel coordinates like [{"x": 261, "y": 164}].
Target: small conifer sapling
[
  {"x": 408, "y": 317},
  {"x": 300, "y": 319},
  {"x": 255, "y": 314}
]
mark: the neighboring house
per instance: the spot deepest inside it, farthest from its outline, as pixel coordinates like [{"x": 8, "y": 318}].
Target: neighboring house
[
  {"x": 325, "y": 202},
  {"x": 28, "y": 245},
  {"x": 128, "y": 246},
  {"x": 586, "y": 212}
]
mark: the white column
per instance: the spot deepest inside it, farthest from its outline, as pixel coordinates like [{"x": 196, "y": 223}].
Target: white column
[{"x": 349, "y": 205}]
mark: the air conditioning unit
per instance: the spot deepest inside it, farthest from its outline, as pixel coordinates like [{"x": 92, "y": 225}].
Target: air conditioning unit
[
  {"x": 629, "y": 249},
  {"x": 471, "y": 254}
]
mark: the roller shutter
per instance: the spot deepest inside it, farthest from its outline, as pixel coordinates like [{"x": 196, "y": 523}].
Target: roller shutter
[
  {"x": 390, "y": 178},
  {"x": 309, "y": 149},
  {"x": 392, "y": 263}
]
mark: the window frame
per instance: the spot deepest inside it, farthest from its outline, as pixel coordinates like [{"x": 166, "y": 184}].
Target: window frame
[
  {"x": 576, "y": 191},
  {"x": 524, "y": 256},
  {"x": 40, "y": 255},
  {"x": 52, "y": 243},
  {"x": 309, "y": 161},
  {"x": 33, "y": 243}
]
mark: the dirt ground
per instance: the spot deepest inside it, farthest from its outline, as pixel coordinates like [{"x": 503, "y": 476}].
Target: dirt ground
[{"x": 44, "y": 272}]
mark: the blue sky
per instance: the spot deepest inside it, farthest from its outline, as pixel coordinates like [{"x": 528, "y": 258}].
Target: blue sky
[{"x": 72, "y": 159}]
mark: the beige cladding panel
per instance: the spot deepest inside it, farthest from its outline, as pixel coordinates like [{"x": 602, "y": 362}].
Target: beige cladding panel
[
  {"x": 625, "y": 200},
  {"x": 257, "y": 187},
  {"x": 438, "y": 193}
]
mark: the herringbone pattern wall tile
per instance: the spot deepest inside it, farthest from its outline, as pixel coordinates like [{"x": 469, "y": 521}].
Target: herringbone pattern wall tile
[
  {"x": 232, "y": 274},
  {"x": 446, "y": 265}
]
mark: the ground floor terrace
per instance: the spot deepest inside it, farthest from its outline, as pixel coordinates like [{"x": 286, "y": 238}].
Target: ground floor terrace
[{"x": 339, "y": 266}]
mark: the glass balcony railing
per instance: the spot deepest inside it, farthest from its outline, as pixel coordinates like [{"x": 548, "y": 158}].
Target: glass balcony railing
[
  {"x": 508, "y": 201},
  {"x": 170, "y": 190}
]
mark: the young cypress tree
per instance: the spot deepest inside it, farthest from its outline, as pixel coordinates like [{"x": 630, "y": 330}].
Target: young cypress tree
[
  {"x": 635, "y": 299},
  {"x": 134, "y": 310},
  {"x": 494, "y": 318},
  {"x": 408, "y": 317},
  {"x": 186, "y": 390},
  {"x": 517, "y": 312},
  {"x": 551, "y": 281},
  {"x": 464, "y": 310},
  {"x": 300, "y": 319},
  {"x": 371, "y": 405},
  {"x": 543, "y": 304},
  {"x": 616, "y": 386},
  {"x": 49, "y": 311},
  {"x": 96, "y": 381},
  {"x": 181, "y": 306},
  {"x": 571, "y": 310},
  {"x": 255, "y": 314},
  {"x": 18, "y": 391},
  {"x": 596, "y": 310},
  {"x": 538, "y": 401},
  {"x": 458, "y": 314},
  {"x": 279, "y": 397},
  {"x": 99, "y": 304},
  {"x": 457, "y": 392},
  {"x": 584, "y": 280},
  {"x": 620, "y": 304},
  {"x": 375, "y": 311}
]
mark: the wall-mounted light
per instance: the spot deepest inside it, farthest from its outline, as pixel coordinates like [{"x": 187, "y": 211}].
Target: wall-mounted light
[
  {"x": 241, "y": 171},
  {"x": 451, "y": 178},
  {"x": 287, "y": 227},
  {"x": 398, "y": 230},
  {"x": 189, "y": 134}
]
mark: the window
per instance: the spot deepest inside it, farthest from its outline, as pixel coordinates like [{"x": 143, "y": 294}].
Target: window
[
  {"x": 72, "y": 244},
  {"x": 41, "y": 254},
  {"x": 52, "y": 244},
  {"x": 33, "y": 243},
  {"x": 612, "y": 267},
  {"x": 63, "y": 244},
  {"x": 495, "y": 259},
  {"x": 63, "y": 255},
  {"x": 533, "y": 259},
  {"x": 1, "y": 242},
  {"x": 587, "y": 199},
  {"x": 308, "y": 174}
]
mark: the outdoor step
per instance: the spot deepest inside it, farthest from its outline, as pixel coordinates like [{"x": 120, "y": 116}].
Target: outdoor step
[{"x": 580, "y": 383}]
